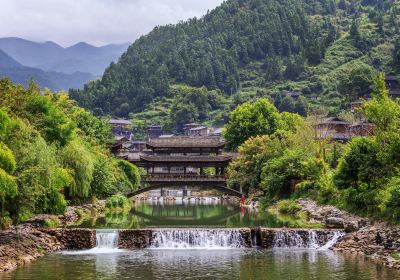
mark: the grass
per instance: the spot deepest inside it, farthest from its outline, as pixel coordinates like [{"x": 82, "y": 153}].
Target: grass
[
  {"x": 118, "y": 203},
  {"x": 396, "y": 256},
  {"x": 52, "y": 222},
  {"x": 288, "y": 207},
  {"x": 289, "y": 213}
]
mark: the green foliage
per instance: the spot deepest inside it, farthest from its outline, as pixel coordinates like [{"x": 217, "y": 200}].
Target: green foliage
[
  {"x": 281, "y": 175},
  {"x": 131, "y": 172},
  {"x": 289, "y": 207},
  {"x": 357, "y": 81},
  {"x": 77, "y": 158},
  {"x": 217, "y": 51},
  {"x": 51, "y": 150},
  {"x": 7, "y": 160},
  {"x": 51, "y": 222},
  {"x": 49, "y": 120},
  {"x": 118, "y": 203},
  {"x": 8, "y": 188},
  {"x": 245, "y": 172},
  {"x": 4, "y": 123},
  {"x": 251, "y": 119}
]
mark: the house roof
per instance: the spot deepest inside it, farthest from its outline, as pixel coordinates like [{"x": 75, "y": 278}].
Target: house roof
[
  {"x": 194, "y": 159},
  {"x": 198, "y": 128},
  {"x": 186, "y": 142},
  {"x": 292, "y": 93},
  {"x": 218, "y": 130},
  {"x": 391, "y": 78},
  {"x": 120, "y": 121},
  {"x": 333, "y": 120}
]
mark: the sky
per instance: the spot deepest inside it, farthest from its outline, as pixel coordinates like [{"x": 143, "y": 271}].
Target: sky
[{"x": 97, "y": 22}]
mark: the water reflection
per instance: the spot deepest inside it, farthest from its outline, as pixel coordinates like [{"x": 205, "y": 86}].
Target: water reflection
[
  {"x": 208, "y": 264},
  {"x": 185, "y": 213}
]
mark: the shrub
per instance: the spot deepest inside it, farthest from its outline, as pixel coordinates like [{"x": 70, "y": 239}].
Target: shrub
[
  {"x": 7, "y": 160},
  {"x": 289, "y": 207},
  {"x": 118, "y": 203},
  {"x": 52, "y": 222},
  {"x": 131, "y": 172},
  {"x": 5, "y": 223}
]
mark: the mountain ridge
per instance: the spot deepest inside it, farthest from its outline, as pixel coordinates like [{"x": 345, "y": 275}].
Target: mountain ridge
[{"x": 49, "y": 56}]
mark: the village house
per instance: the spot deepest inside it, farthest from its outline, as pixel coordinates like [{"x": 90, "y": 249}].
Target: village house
[
  {"x": 120, "y": 123},
  {"x": 293, "y": 94},
  {"x": 392, "y": 84},
  {"x": 333, "y": 128},
  {"x": 361, "y": 128},
  {"x": 198, "y": 131},
  {"x": 154, "y": 131}
]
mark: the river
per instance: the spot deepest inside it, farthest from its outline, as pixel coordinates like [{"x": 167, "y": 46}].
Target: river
[{"x": 199, "y": 253}]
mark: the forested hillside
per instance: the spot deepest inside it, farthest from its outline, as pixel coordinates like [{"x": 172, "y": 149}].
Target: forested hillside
[{"x": 247, "y": 49}]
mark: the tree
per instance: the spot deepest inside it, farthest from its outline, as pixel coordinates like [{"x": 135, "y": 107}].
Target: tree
[
  {"x": 8, "y": 188},
  {"x": 356, "y": 81},
  {"x": 245, "y": 172},
  {"x": 251, "y": 119},
  {"x": 4, "y": 123},
  {"x": 294, "y": 67},
  {"x": 287, "y": 105},
  {"x": 273, "y": 68},
  {"x": 131, "y": 172},
  {"x": 355, "y": 30},
  {"x": 7, "y": 160},
  {"x": 381, "y": 110},
  {"x": 280, "y": 175}
]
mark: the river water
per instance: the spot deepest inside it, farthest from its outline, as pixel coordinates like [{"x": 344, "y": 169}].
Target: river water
[
  {"x": 276, "y": 264},
  {"x": 206, "y": 213},
  {"x": 200, "y": 253}
]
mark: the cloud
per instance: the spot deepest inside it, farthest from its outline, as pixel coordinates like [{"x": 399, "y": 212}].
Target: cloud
[{"x": 95, "y": 21}]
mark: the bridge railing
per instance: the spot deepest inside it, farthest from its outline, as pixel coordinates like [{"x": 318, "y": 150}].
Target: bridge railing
[{"x": 183, "y": 177}]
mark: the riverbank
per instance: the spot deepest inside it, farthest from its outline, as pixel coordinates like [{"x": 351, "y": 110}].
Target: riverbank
[
  {"x": 34, "y": 238},
  {"x": 360, "y": 237}
]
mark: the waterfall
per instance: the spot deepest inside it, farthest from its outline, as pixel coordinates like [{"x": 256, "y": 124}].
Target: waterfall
[
  {"x": 107, "y": 239},
  {"x": 305, "y": 239},
  {"x": 196, "y": 239},
  {"x": 333, "y": 239}
]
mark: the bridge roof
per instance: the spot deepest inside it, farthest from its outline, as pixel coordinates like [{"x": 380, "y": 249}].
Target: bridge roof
[
  {"x": 196, "y": 159},
  {"x": 186, "y": 142}
]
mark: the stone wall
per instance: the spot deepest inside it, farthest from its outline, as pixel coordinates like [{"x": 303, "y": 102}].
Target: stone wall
[
  {"x": 74, "y": 239},
  {"x": 141, "y": 238},
  {"x": 267, "y": 236},
  {"x": 134, "y": 238}
]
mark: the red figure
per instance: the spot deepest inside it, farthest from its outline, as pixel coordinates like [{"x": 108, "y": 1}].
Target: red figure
[{"x": 243, "y": 199}]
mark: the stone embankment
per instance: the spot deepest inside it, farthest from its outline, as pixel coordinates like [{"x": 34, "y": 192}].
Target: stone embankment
[
  {"x": 361, "y": 234},
  {"x": 33, "y": 238},
  {"x": 25, "y": 243}
]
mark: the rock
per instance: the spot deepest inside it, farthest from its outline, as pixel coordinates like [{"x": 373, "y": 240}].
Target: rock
[
  {"x": 334, "y": 222},
  {"x": 351, "y": 226}
]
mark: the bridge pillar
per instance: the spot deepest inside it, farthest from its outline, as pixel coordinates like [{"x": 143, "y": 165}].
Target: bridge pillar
[{"x": 185, "y": 192}]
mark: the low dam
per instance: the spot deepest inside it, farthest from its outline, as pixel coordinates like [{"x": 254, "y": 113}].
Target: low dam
[{"x": 197, "y": 238}]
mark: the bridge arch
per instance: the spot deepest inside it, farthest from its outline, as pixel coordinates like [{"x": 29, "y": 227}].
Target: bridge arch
[{"x": 215, "y": 187}]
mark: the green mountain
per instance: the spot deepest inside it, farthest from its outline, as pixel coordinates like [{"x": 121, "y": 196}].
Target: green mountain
[{"x": 246, "y": 49}]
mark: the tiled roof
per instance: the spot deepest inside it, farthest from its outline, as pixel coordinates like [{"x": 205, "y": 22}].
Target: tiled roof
[
  {"x": 119, "y": 121},
  {"x": 184, "y": 142},
  {"x": 221, "y": 158}
]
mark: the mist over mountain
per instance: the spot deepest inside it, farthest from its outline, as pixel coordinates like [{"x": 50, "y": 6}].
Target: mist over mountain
[
  {"x": 53, "y": 80},
  {"x": 49, "y": 56}
]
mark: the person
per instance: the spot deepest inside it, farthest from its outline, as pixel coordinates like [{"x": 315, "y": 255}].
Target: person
[
  {"x": 243, "y": 199},
  {"x": 378, "y": 238},
  {"x": 389, "y": 243}
]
